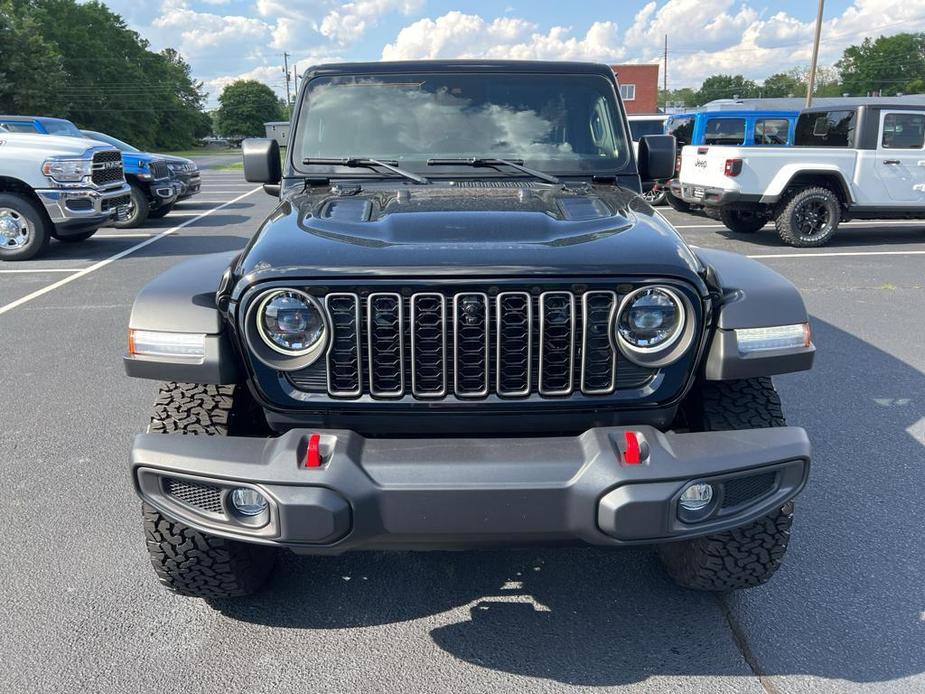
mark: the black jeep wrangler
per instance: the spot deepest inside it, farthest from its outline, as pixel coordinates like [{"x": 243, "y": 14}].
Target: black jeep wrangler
[{"x": 463, "y": 327}]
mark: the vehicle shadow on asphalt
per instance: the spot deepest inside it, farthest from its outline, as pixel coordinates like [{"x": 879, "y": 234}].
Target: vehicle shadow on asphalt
[
  {"x": 203, "y": 206},
  {"x": 859, "y": 238},
  {"x": 846, "y": 605}
]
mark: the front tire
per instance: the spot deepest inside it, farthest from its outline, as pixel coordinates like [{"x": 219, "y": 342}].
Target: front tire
[
  {"x": 747, "y": 556},
  {"x": 138, "y": 210},
  {"x": 187, "y": 561},
  {"x": 742, "y": 220},
  {"x": 24, "y": 229},
  {"x": 809, "y": 217},
  {"x": 654, "y": 197}
]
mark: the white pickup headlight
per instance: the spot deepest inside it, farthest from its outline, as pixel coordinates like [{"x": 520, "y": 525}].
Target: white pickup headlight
[
  {"x": 795, "y": 336},
  {"x": 149, "y": 343},
  {"x": 67, "y": 170}
]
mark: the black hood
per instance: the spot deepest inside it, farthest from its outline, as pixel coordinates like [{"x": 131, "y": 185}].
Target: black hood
[{"x": 475, "y": 228}]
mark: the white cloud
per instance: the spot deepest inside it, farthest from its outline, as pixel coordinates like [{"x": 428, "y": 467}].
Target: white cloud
[
  {"x": 459, "y": 35},
  {"x": 348, "y": 23},
  {"x": 204, "y": 32}
]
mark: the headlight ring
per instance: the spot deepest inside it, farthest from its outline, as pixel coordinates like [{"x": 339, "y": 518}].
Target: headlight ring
[
  {"x": 287, "y": 329},
  {"x": 653, "y": 326}
]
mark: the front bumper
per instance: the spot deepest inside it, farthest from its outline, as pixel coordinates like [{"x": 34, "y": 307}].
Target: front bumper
[
  {"x": 84, "y": 207},
  {"x": 189, "y": 183},
  {"x": 455, "y": 493}
]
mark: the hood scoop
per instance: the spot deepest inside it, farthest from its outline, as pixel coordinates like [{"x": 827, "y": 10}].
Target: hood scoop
[
  {"x": 583, "y": 208},
  {"x": 347, "y": 210}
]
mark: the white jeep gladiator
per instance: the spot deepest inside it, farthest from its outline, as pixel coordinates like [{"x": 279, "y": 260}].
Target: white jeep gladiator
[
  {"x": 56, "y": 187},
  {"x": 858, "y": 162}
]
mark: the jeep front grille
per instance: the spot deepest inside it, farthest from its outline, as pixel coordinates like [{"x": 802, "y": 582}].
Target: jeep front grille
[
  {"x": 159, "y": 170},
  {"x": 107, "y": 168},
  {"x": 467, "y": 345}
]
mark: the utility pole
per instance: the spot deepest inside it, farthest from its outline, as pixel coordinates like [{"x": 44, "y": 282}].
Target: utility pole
[
  {"x": 665, "y": 74},
  {"x": 295, "y": 80},
  {"x": 811, "y": 82},
  {"x": 286, "y": 72}
]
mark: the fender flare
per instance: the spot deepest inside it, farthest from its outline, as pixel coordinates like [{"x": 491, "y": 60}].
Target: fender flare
[
  {"x": 182, "y": 300},
  {"x": 827, "y": 172},
  {"x": 753, "y": 296}
]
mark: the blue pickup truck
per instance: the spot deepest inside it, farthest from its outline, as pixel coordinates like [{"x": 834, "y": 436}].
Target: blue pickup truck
[
  {"x": 739, "y": 128},
  {"x": 156, "y": 181}
]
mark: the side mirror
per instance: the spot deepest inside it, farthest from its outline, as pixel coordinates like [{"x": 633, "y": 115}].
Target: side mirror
[
  {"x": 261, "y": 160},
  {"x": 656, "y": 157}
]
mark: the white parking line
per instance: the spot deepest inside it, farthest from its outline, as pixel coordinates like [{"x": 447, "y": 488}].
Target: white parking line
[
  {"x": 40, "y": 270},
  {"x": 835, "y": 254},
  {"x": 111, "y": 259},
  {"x": 879, "y": 223}
]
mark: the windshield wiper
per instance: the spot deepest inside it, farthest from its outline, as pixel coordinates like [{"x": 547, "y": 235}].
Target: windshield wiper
[
  {"x": 365, "y": 163},
  {"x": 494, "y": 162}
]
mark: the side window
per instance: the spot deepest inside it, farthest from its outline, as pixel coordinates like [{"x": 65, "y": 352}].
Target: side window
[
  {"x": 771, "y": 131},
  {"x": 628, "y": 92},
  {"x": 725, "y": 131},
  {"x": 903, "y": 131},
  {"x": 825, "y": 129},
  {"x": 19, "y": 127}
]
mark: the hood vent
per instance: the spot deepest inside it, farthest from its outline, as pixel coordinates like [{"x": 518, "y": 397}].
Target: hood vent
[
  {"x": 580, "y": 209},
  {"x": 347, "y": 210},
  {"x": 493, "y": 184}
]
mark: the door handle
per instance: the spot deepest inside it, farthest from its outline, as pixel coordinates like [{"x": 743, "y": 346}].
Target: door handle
[{"x": 891, "y": 162}]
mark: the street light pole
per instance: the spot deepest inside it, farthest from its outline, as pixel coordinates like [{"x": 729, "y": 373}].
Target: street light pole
[{"x": 811, "y": 82}]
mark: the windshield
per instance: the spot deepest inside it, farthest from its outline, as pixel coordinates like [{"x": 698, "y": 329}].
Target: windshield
[
  {"x": 682, "y": 128},
  {"x": 109, "y": 140},
  {"x": 556, "y": 123},
  {"x": 61, "y": 127}
]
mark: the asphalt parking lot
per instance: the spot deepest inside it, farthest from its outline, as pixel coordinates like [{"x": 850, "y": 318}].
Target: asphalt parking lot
[{"x": 83, "y": 611}]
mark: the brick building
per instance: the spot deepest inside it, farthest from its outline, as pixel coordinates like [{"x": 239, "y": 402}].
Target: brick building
[{"x": 638, "y": 87}]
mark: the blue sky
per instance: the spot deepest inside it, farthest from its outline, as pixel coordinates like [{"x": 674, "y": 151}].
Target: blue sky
[{"x": 228, "y": 39}]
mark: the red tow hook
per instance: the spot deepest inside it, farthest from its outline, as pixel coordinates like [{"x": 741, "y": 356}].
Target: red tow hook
[
  {"x": 313, "y": 451},
  {"x": 636, "y": 450}
]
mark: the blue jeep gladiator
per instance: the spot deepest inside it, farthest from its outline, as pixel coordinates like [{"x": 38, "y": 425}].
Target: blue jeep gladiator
[
  {"x": 717, "y": 127},
  {"x": 154, "y": 187}
]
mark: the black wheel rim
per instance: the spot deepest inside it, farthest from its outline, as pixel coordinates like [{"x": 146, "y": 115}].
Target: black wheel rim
[{"x": 812, "y": 217}]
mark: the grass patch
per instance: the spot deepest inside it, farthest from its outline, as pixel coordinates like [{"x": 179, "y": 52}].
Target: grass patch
[{"x": 233, "y": 166}]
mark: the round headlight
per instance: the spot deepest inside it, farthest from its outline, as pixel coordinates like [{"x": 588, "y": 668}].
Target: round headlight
[
  {"x": 651, "y": 327},
  {"x": 291, "y": 322}
]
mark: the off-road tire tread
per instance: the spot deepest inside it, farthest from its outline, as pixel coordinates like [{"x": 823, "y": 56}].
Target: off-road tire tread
[
  {"x": 185, "y": 560},
  {"x": 747, "y": 556},
  {"x": 188, "y": 562},
  {"x": 782, "y": 219}
]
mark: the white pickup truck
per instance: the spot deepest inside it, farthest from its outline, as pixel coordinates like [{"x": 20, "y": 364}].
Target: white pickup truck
[
  {"x": 56, "y": 187},
  {"x": 852, "y": 162}
]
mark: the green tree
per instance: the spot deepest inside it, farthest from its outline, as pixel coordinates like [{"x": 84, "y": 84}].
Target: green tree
[
  {"x": 108, "y": 79},
  {"x": 726, "y": 87},
  {"x": 681, "y": 98},
  {"x": 783, "y": 84},
  {"x": 245, "y": 105},
  {"x": 30, "y": 66},
  {"x": 889, "y": 65}
]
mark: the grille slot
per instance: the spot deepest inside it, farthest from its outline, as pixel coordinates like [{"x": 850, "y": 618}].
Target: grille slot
[
  {"x": 205, "y": 497},
  {"x": 385, "y": 331},
  {"x": 344, "y": 364},
  {"x": 470, "y": 344},
  {"x": 599, "y": 363},
  {"x": 470, "y": 349},
  {"x": 514, "y": 318},
  {"x": 744, "y": 489},
  {"x": 428, "y": 345},
  {"x": 557, "y": 343},
  {"x": 107, "y": 168},
  {"x": 159, "y": 169}
]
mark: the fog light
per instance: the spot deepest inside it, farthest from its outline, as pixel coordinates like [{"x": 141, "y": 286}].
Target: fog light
[
  {"x": 696, "y": 497},
  {"x": 248, "y": 502}
]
